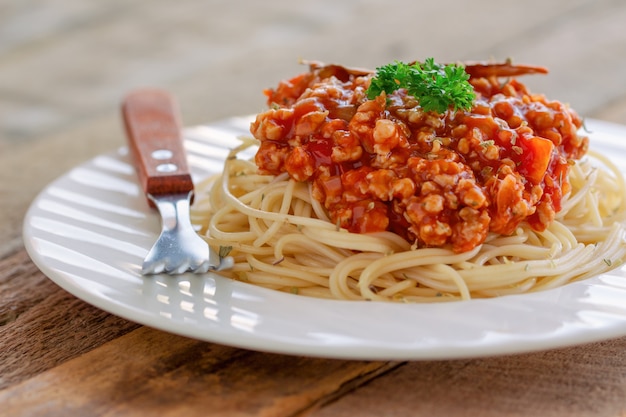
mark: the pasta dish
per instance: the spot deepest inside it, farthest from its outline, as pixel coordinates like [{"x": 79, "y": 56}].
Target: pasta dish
[{"x": 416, "y": 182}]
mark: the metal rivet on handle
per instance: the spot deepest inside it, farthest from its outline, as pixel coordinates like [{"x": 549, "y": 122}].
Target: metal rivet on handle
[
  {"x": 162, "y": 154},
  {"x": 166, "y": 167}
]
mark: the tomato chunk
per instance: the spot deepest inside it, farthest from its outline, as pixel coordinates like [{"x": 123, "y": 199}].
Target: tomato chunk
[{"x": 536, "y": 158}]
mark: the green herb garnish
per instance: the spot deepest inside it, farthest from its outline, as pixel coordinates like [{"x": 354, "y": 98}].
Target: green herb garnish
[{"x": 436, "y": 87}]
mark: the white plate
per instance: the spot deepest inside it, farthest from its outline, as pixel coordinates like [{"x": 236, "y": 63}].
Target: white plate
[{"x": 90, "y": 230}]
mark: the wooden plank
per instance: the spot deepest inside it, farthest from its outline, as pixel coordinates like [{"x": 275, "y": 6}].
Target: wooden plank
[
  {"x": 580, "y": 381},
  {"x": 149, "y": 372},
  {"x": 41, "y": 325}
]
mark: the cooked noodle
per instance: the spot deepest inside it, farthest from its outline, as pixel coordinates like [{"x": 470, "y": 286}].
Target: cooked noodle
[{"x": 281, "y": 238}]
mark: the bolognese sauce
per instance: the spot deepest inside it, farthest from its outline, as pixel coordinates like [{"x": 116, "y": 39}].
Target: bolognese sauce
[{"x": 437, "y": 179}]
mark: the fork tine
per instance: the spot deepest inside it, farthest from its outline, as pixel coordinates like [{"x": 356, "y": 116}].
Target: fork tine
[
  {"x": 152, "y": 268},
  {"x": 179, "y": 248}
]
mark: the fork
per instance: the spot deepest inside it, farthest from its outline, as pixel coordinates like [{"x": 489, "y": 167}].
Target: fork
[{"x": 154, "y": 134}]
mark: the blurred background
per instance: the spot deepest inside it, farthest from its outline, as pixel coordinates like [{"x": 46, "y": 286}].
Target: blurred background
[{"x": 65, "y": 64}]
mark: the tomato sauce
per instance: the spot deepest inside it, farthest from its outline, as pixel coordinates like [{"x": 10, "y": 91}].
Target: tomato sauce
[{"x": 435, "y": 179}]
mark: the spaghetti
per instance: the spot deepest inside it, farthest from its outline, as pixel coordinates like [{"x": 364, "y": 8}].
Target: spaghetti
[{"x": 284, "y": 234}]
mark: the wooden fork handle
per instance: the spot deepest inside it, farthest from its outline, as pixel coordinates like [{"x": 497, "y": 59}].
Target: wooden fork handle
[{"x": 154, "y": 134}]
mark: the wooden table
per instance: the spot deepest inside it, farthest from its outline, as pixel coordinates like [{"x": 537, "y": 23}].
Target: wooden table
[{"x": 63, "y": 70}]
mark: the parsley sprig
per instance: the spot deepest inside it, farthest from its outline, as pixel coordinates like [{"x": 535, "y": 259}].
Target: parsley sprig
[{"x": 437, "y": 87}]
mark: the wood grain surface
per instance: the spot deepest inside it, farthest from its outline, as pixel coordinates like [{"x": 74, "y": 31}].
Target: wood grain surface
[{"x": 64, "y": 68}]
